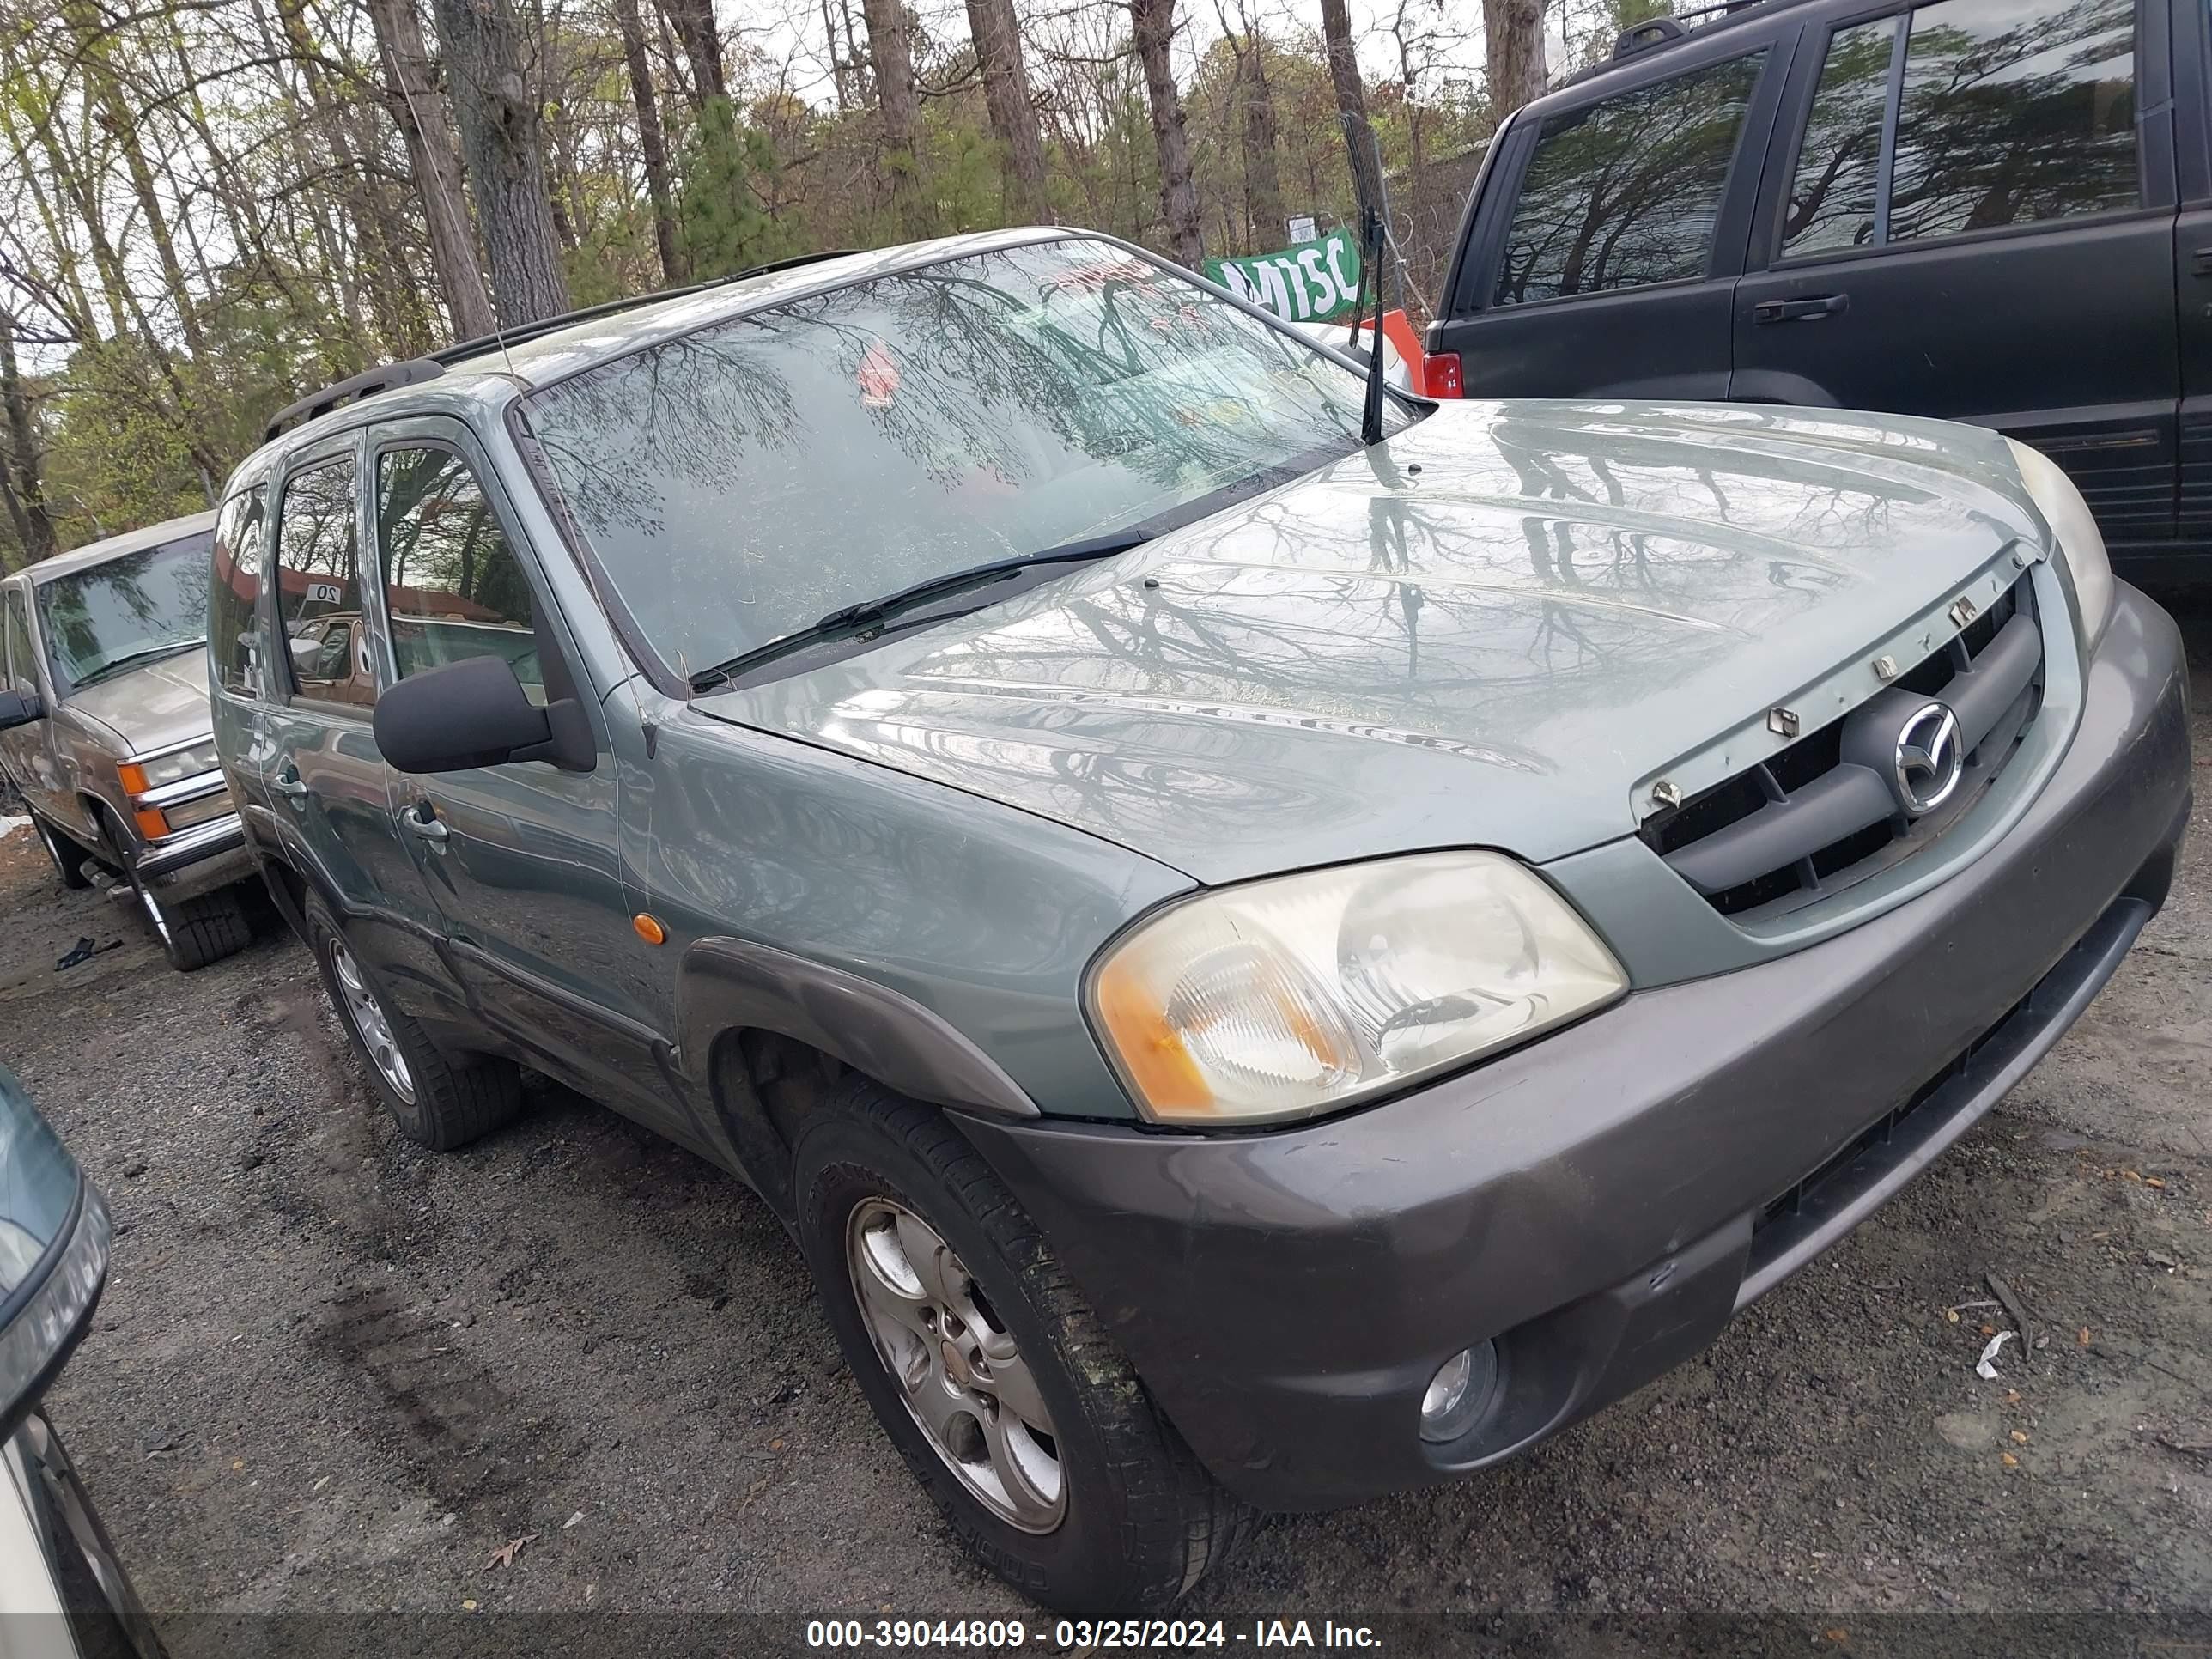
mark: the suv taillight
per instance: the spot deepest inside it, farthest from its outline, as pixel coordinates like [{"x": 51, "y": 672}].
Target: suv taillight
[{"x": 1440, "y": 374}]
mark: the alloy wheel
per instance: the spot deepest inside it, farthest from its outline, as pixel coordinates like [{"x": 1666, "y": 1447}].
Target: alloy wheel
[
  {"x": 366, "y": 1015},
  {"x": 958, "y": 1368}
]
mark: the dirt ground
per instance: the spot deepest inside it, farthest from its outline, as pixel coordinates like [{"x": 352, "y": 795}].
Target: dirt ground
[{"x": 335, "y": 1373}]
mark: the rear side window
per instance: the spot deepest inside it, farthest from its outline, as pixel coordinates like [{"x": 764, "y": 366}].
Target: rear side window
[
  {"x": 1831, "y": 195},
  {"x": 236, "y": 589},
  {"x": 22, "y": 672},
  {"x": 453, "y": 586},
  {"x": 319, "y": 586},
  {"x": 1626, "y": 192},
  {"x": 2014, "y": 113}
]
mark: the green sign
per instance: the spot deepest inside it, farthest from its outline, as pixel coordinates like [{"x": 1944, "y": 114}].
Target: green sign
[{"x": 1312, "y": 280}]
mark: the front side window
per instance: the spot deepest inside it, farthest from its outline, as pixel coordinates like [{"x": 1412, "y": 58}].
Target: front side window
[
  {"x": 1626, "y": 191},
  {"x": 125, "y": 612},
  {"x": 1831, "y": 194},
  {"x": 235, "y": 590},
  {"x": 2013, "y": 112},
  {"x": 453, "y": 587},
  {"x": 738, "y": 482},
  {"x": 319, "y": 586},
  {"x": 22, "y": 674}
]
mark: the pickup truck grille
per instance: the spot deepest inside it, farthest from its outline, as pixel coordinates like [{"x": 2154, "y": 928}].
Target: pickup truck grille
[{"x": 1826, "y": 812}]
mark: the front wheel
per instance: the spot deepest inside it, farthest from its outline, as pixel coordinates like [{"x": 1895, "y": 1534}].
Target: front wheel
[{"x": 992, "y": 1378}]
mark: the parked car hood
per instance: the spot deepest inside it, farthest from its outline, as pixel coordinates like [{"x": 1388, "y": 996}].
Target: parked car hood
[
  {"x": 1484, "y": 632},
  {"x": 150, "y": 706}
]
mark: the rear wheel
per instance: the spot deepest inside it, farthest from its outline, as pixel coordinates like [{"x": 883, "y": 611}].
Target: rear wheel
[
  {"x": 992, "y": 1378},
  {"x": 441, "y": 1102}
]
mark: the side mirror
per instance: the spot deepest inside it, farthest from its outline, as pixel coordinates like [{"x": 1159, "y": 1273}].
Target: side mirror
[
  {"x": 20, "y": 708},
  {"x": 473, "y": 713}
]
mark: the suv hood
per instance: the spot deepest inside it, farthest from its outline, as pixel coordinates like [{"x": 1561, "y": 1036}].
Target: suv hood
[
  {"x": 150, "y": 706},
  {"x": 1486, "y": 632}
]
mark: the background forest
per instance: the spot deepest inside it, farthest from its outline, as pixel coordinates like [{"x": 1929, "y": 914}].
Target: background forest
[{"x": 207, "y": 207}]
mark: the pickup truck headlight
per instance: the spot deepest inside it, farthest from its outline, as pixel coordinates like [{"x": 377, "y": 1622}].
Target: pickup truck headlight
[
  {"x": 2080, "y": 544},
  {"x": 1299, "y": 994},
  {"x": 139, "y": 776}
]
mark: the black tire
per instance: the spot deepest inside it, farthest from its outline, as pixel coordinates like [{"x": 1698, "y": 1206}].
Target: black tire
[
  {"x": 196, "y": 931},
  {"x": 1143, "y": 1522},
  {"x": 69, "y": 858},
  {"x": 454, "y": 1100}
]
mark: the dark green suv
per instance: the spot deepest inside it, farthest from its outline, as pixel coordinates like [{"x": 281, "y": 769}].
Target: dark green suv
[{"x": 1267, "y": 952}]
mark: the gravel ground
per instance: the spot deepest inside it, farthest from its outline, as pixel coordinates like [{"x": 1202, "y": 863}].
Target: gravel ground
[{"x": 333, "y": 1372}]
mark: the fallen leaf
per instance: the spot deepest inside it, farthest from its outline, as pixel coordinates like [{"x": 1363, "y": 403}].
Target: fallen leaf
[
  {"x": 1988, "y": 1330},
  {"x": 1839, "y": 1634},
  {"x": 2012, "y": 1396},
  {"x": 322, "y": 1483},
  {"x": 2084, "y": 1338},
  {"x": 238, "y": 1462},
  {"x": 505, "y": 1555},
  {"x": 2010, "y": 1461},
  {"x": 2153, "y": 1181},
  {"x": 572, "y": 1520},
  {"x": 468, "y": 1606},
  {"x": 2018, "y": 1437},
  {"x": 2132, "y": 1175},
  {"x": 775, "y": 1445},
  {"x": 1951, "y": 1314}
]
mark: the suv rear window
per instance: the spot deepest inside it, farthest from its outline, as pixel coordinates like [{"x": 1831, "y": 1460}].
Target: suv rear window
[{"x": 1626, "y": 192}]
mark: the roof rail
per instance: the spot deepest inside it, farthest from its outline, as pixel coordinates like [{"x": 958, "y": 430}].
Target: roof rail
[
  {"x": 1665, "y": 31},
  {"x": 414, "y": 370}
]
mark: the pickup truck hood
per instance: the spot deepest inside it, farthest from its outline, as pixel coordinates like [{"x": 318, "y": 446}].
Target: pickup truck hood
[
  {"x": 1487, "y": 631},
  {"x": 161, "y": 702}
]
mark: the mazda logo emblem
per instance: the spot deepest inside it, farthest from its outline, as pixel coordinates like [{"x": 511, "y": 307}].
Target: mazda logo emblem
[{"x": 1929, "y": 760}]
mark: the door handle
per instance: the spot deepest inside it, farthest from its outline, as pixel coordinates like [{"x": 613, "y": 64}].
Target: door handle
[
  {"x": 1791, "y": 311},
  {"x": 2200, "y": 262},
  {"x": 421, "y": 820},
  {"x": 287, "y": 782}
]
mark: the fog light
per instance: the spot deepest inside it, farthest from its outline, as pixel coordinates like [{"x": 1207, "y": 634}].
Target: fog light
[{"x": 1458, "y": 1392}]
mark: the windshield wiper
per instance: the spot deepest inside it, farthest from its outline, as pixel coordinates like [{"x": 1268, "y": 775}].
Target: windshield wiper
[
  {"x": 129, "y": 657},
  {"x": 848, "y": 620}
]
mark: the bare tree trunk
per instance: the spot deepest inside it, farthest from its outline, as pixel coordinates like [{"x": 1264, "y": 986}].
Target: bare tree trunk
[
  {"x": 500, "y": 127},
  {"x": 1154, "y": 25},
  {"x": 1352, "y": 102},
  {"x": 998, "y": 37},
  {"x": 693, "y": 23},
  {"x": 1513, "y": 40},
  {"x": 900, "y": 106},
  {"x": 420, "y": 114},
  {"x": 650, "y": 142},
  {"x": 1255, "y": 122},
  {"x": 22, "y": 476}
]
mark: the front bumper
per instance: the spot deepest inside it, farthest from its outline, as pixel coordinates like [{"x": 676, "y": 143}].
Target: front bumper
[
  {"x": 1603, "y": 1201},
  {"x": 197, "y": 861}
]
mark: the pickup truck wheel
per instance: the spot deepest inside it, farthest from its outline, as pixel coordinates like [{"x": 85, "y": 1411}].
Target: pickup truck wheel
[
  {"x": 69, "y": 858},
  {"x": 992, "y": 1378},
  {"x": 441, "y": 1104},
  {"x": 193, "y": 932}
]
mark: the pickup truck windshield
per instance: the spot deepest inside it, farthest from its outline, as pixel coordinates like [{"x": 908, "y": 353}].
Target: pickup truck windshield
[
  {"x": 739, "y": 482},
  {"x": 128, "y": 609}
]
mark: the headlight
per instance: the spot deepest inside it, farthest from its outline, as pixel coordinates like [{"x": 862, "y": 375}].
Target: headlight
[
  {"x": 2080, "y": 544},
  {"x": 1294, "y": 996},
  {"x": 139, "y": 776}
]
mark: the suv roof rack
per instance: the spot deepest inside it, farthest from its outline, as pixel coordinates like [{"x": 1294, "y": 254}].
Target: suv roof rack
[
  {"x": 412, "y": 371},
  {"x": 1655, "y": 32}
]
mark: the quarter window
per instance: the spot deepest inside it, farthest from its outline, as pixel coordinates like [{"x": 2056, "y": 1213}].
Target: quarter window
[
  {"x": 319, "y": 586},
  {"x": 453, "y": 587},
  {"x": 1831, "y": 195},
  {"x": 239, "y": 529},
  {"x": 1626, "y": 191},
  {"x": 2014, "y": 113}
]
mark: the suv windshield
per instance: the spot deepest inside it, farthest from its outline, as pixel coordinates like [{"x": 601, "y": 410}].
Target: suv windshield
[
  {"x": 128, "y": 609},
  {"x": 738, "y": 482}
]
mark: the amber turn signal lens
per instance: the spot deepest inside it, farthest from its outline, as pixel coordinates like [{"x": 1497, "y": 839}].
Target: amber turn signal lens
[
  {"x": 151, "y": 823},
  {"x": 134, "y": 779},
  {"x": 649, "y": 929}
]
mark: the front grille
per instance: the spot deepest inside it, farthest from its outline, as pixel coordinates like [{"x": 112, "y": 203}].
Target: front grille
[{"x": 1823, "y": 814}]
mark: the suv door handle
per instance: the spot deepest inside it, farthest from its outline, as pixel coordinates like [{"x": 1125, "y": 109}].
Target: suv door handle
[
  {"x": 1791, "y": 311},
  {"x": 287, "y": 782},
  {"x": 421, "y": 820}
]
